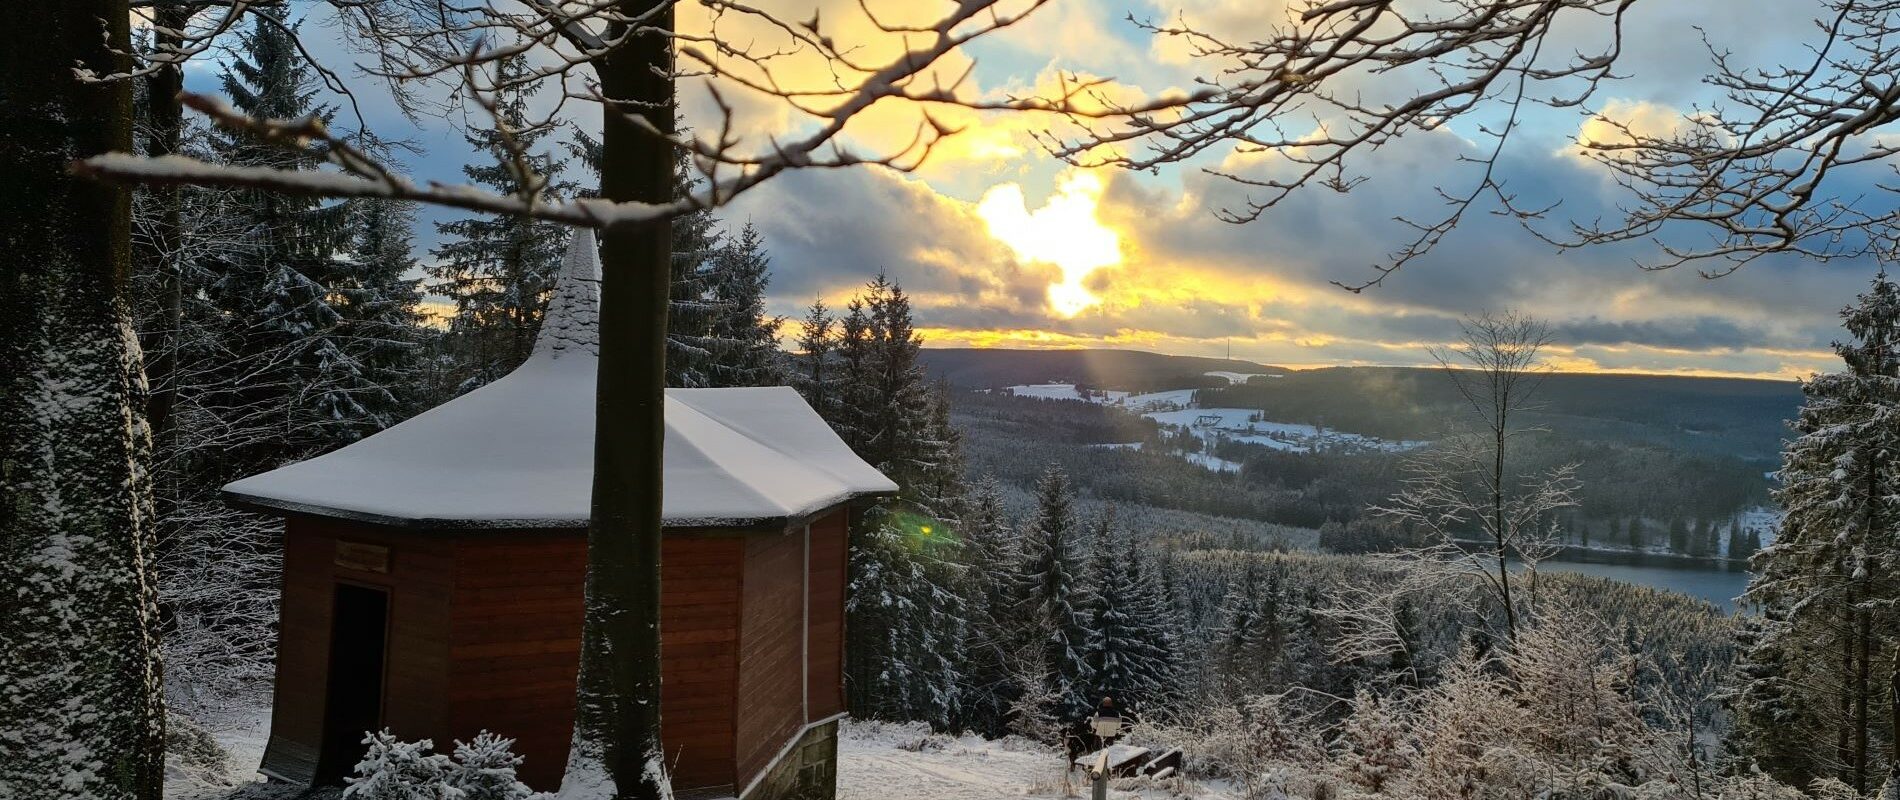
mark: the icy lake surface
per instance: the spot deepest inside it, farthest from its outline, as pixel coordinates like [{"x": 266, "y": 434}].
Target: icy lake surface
[{"x": 1716, "y": 586}]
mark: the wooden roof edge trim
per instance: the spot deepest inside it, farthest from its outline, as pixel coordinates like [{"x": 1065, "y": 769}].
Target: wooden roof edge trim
[{"x": 278, "y": 507}]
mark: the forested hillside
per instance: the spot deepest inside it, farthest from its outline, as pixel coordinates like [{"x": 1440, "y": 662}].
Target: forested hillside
[
  {"x": 1722, "y": 416},
  {"x": 1636, "y": 489}
]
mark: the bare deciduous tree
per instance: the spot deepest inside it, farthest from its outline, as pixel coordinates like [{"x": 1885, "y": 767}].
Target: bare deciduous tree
[{"x": 1464, "y": 486}]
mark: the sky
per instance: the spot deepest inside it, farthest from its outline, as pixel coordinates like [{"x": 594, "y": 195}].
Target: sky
[{"x": 1000, "y": 244}]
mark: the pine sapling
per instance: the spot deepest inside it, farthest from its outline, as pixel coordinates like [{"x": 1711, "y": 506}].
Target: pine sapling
[
  {"x": 484, "y": 769},
  {"x": 393, "y": 769}
]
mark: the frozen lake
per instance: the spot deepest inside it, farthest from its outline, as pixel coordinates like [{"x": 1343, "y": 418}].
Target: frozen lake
[{"x": 1716, "y": 586}]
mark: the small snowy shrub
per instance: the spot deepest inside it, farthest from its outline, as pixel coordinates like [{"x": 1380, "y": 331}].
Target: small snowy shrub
[
  {"x": 1372, "y": 746},
  {"x": 189, "y": 746},
  {"x": 396, "y": 770},
  {"x": 484, "y": 769}
]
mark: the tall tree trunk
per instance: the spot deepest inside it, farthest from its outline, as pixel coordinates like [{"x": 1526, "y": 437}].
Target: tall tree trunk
[
  {"x": 1893, "y": 718},
  {"x": 1843, "y": 726},
  {"x": 617, "y": 729},
  {"x": 157, "y": 250},
  {"x": 80, "y": 709},
  {"x": 1502, "y": 433},
  {"x": 1863, "y": 689}
]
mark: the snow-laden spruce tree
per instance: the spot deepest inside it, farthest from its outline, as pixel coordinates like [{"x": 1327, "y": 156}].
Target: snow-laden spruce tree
[
  {"x": 991, "y": 553},
  {"x": 392, "y": 769},
  {"x": 1832, "y": 576},
  {"x": 378, "y": 322},
  {"x": 80, "y": 711},
  {"x": 498, "y": 269},
  {"x": 1127, "y": 652},
  {"x": 744, "y": 337},
  {"x": 287, "y": 355},
  {"x": 906, "y": 591},
  {"x": 1049, "y": 596},
  {"x": 484, "y": 769},
  {"x": 814, "y": 369}
]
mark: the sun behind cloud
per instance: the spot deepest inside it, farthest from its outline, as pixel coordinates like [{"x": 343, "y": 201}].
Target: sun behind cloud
[{"x": 1064, "y": 232}]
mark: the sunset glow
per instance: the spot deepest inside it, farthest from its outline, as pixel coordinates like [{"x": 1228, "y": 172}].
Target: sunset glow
[{"x": 1063, "y": 232}]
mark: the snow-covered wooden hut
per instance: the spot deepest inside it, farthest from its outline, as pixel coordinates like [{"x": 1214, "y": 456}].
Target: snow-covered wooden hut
[{"x": 432, "y": 575}]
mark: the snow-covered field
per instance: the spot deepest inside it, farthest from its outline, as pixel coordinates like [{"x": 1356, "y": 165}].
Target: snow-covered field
[{"x": 1237, "y": 378}]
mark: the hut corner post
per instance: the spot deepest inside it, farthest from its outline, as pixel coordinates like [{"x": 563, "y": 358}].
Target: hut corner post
[{"x": 617, "y": 724}]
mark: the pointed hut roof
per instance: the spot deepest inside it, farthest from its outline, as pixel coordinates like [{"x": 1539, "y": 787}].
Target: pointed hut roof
[{"x": 519, "y": 452}]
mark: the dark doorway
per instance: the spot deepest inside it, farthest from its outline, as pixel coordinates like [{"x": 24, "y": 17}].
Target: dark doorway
[{"x": 354, "y": 702}]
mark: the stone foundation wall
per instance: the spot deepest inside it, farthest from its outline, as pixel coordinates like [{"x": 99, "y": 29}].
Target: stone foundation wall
[{"x": 809, "y": 770}]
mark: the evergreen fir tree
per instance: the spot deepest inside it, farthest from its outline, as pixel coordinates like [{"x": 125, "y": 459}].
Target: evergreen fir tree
[
  {"x": 938, "y": 458},
  {"x": 1834, "y": 569},
  {"x": 906, "y": 562},
  {"x": 1236, "y": 637},
  {"x": 376, "y": 302},
  {"x": 991, "y": 552},
  {"x": 744, "y": 338},
  {"x": 284, "y": 351},
  {"x": 1049, "y": 596},
  {"x": 690, "y": 346},
  {"x": 1126, "y": 652},
  {"x": 499, "y": 269},
  {"x": 1772, "y": 728},
  {"x": 855, "y": 394},
  {"x": 815, "y": 373}
]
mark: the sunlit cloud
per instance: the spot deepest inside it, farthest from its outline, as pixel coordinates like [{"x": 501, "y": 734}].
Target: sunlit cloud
[{"x": 1063, "y": 232}]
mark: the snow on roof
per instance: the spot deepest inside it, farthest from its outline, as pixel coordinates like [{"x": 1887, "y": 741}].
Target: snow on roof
[{"x": 519, "y": 452}]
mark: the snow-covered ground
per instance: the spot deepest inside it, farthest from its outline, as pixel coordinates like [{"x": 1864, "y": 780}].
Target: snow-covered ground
[
  {"x": 876, "y": 761},
  {"x": 1765, "y": 519},
  {"x": 881, "y": 761}
]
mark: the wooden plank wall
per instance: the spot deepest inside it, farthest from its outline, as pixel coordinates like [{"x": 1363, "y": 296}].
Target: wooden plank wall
[
  {"x": 771, "y": 649},
  {"x": 515, "y": 642},
  {"x": 824, "y": 688},
  {"x": 420, "y": 575},
  {"x": 516, "y": 648},
  {"x": 485, "y": 634},
  {"x": 699, "y": 656}
]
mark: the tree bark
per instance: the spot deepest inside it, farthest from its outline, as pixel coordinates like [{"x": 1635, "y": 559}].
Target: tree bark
[
  {"x": 1501, "y": 431},
  {"x": 617, "y": 730},
  {"x": 81, "y": 714},
  {"x": 1862, "y": 690},
  {"x": 1893, "y": 714},
  {"x": 157, "y": 250}
]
